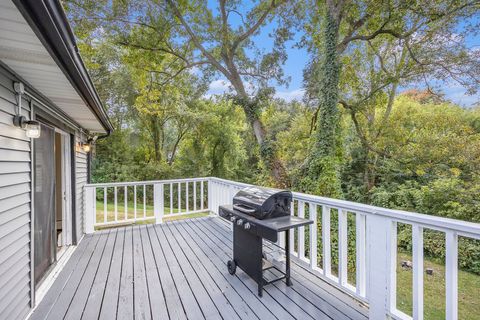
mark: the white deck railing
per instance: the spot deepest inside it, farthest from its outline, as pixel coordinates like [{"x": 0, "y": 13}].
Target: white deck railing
[
  {"x": 109, "y": 204},
  {"x": 375, "y": 235}
]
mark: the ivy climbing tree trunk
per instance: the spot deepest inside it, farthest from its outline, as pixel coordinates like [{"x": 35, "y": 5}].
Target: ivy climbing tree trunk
[{"x": 322, "y": 167}]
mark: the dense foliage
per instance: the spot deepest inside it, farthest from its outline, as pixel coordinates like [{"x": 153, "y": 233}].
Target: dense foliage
[{"x": 358, "y": 134}]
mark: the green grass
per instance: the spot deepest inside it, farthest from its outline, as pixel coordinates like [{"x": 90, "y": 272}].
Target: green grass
[
  {"x": 131, "y": 215},
  {"x": 434, "y": 291}
]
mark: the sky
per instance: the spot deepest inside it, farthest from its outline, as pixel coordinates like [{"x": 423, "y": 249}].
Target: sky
[{"x": 298, "y": 58}]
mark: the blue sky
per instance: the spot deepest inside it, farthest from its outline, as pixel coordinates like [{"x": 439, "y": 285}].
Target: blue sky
[{"x": 298, "y": 58}]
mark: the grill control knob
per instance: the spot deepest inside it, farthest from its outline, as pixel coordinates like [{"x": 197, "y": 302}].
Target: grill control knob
[
  {"x": 232, "y": 218},
  {"x": 246, "y": 226},
  {"x": 239, "y": 222}
]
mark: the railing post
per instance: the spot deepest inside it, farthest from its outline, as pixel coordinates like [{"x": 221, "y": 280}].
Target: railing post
[
  {"x": 90, "y": 209},
  {"x": 210, "y": 195},
  {"x": 381, "y": 261},
  {"x": 158, "y": 202}
]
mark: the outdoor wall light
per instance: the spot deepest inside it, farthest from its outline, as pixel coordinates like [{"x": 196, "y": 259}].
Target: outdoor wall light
[
  {"x": 32, "y": 128},
  {"x": 86, "y": 147}
]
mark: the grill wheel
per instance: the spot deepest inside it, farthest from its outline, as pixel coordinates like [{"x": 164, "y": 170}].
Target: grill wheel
[{"x": 232, "y": 267}]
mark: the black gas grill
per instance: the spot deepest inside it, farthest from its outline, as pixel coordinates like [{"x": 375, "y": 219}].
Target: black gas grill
[{"x": 257, "y": 214}]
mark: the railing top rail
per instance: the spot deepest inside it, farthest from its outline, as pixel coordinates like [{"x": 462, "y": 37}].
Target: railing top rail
[
  {"x": 468, "y": 229},
  {"x": 133, "y": 183}
]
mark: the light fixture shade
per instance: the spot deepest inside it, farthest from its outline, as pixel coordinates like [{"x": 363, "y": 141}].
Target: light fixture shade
[
  {"x": 86, "y": 147},
  {"x": 32, "y": 129}
]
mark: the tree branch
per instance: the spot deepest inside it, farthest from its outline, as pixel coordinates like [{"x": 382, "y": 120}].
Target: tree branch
[
  {"x": 197, "y": 42},
  {"x": 254, "y": 28}
]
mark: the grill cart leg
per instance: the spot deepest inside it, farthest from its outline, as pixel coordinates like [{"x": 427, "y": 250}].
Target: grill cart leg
[
  {"x": 260, "y": 289},
  {"x": 287, "y": 258}
]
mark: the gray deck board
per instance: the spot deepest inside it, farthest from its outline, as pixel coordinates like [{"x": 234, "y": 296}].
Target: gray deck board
[
  {"x": 177, "y": 270},
  {"x": 172, "y": 298},
  {"x": 110, "y": 295},
  {"x": 141, "y": 303},
  {"x": 94, "y": 299},
  {"x": 125, "y": 295},
  {"x": 155, "y": 290}
]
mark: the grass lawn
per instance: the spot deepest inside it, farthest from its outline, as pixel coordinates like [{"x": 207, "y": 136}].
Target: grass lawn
[
  {"x": 434, "y": 291},
  {"x": 148, "y": 211}
]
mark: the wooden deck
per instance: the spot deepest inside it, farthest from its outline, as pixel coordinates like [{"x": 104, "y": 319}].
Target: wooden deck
[{"x": 178, "y": 270}]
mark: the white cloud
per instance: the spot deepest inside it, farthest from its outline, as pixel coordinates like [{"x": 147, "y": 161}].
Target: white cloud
[
  {"x": 219, "y": 86},
  {"x": 291, "y": 95}
]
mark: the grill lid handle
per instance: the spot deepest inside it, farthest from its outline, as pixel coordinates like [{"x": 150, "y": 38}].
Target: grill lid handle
[{"x": 243, "y": 209}]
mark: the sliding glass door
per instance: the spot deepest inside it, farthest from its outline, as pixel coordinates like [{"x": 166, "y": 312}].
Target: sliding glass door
[{"x": 44, "y": 201}]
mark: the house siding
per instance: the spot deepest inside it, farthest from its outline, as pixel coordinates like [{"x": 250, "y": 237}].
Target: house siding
[
  {"x": 15, "y": 203},
  {"x": 81, "y": 177},
  {"x": 15, "y": 197}
]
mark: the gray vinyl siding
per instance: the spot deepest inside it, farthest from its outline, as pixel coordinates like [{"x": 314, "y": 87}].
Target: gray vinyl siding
[
  {"x": 15, "y": 206},
  {"x": 81, "y": 179},
  {"x": 15, "y": 187}
]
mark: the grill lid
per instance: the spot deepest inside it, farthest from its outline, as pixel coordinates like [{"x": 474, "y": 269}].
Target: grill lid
[{"x": 263, "y": 203}]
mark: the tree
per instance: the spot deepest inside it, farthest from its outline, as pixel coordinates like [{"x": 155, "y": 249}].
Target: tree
[
  {"x": 214, "y": 41},
  {"x": 389, "y": 38}
]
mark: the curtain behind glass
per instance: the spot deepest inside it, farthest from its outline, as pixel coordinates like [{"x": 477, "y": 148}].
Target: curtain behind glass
[{"x": 44, "y": 201}]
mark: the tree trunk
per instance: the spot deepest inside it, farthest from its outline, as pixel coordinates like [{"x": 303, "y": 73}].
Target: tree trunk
[
  {"x": 321, "y": 174},
  {"x": 268, "y": 152}
]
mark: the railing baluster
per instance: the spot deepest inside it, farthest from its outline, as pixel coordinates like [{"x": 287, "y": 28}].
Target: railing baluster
[
  {"x": 116, "y": 203},
  {"x": 135, "y": 202},
  {"x": 342, "y": 246},
  {"x": 90, "y": 209},
  {"x": 391, "y": 275},
  {"x": 451, "y": 275},
  {"x": 125, "y": 191},
  {"x": 291, "y": 231},
  {"x": 179, "y": 197},
  {"x": 201, "y": 194},
  {"x": 417, "y": 253},
  {"x": 105, "y": 204},
  {"x": 312, "y": 209},
  {"x": 361, "y": 254},
  {"x": 144, "y": 201},
  {"x": 327, "y": 261},
  {"x": 186, "y": 197},
  {"x": 301, "y": 231},
  {"x": 158, "y": 202},
  {"x": 171, "y": 198},
  {"x": 194, "y": 196}
]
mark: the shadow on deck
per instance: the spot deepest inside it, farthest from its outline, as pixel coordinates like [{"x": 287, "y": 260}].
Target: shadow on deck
[{"x": 178, "y": 270}]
